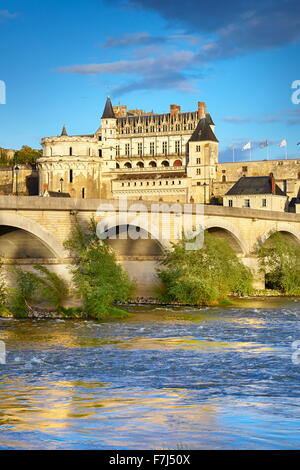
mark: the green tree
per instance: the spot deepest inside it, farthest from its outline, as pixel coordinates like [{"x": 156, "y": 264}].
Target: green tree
[
  {"x": 202, "y": 276},
  {"x": 98, "y": 278},
  {"x": 4, "y": 159},
  {"x": 52, "y": 288},
  {"x": 279, "y": 259},
  {"x": 26, "y": 155},
  {"x": 32, "y": 288},
  {"x": 3, "y": 288},
  {"x": 23, "y": 294}
]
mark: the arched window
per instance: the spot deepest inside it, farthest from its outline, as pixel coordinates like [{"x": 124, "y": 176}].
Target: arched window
[
  {"x": 224, "y": 179},
  {"x": 153, "y": 164},
  {"x": 127, "y": 165},
  {"x": 70, "y": 151},
  {"x": 140, "y": 165},
  {"x": 117, "y": 165},
  {"x": 71, "y": 176},
  {"x": 177, "y": 163},
  {"x": 165, "y": 163}
]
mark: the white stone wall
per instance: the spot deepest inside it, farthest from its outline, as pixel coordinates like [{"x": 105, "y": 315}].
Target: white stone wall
[{"x": 273, "y": 202}]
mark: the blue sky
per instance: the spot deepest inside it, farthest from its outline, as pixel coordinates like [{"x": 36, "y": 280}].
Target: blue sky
[{"x": 60, "y": 60}]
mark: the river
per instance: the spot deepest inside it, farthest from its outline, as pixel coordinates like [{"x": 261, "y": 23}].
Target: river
[{"x": 167, "y": 378}]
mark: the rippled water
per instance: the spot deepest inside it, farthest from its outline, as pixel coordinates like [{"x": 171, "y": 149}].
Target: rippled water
[{"x": 188, "y": 378}]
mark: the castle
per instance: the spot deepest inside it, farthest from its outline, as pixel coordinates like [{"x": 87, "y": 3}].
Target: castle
[{"x": 167, "y": 157}]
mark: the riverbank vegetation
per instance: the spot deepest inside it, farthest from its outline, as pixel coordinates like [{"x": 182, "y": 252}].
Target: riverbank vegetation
[
  {"x": 204, "y": 276},
  {"x": 30, "y": 289},
  {"x": 99, "y": 280},
  {"x": 36, "y": 288},
  {"x": 279, "y": 259}
]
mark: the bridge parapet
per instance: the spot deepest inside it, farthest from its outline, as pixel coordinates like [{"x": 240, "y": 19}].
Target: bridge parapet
[{"x": 33, "y": 203}]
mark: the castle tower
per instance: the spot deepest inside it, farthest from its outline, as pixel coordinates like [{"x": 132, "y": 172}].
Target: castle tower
[
  {"x": 108, "y": 135},
  {"x": 202, "y": 157}
]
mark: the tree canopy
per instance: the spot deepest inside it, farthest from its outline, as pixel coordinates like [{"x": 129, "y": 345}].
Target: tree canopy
[
  {"x": 202, "y": 276},
  {"x": 26, "y": 155},
  {"x": 98, "y": 278},
  {"x": 279, "y": 259}
]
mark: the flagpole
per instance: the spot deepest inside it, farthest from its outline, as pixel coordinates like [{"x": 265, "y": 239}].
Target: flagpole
[
  {"x": 233, "y": 154},
  {"x": 250, "y": 152},
  {"x": 286, "y": 152}
]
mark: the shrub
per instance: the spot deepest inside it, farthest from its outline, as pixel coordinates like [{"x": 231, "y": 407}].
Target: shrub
[
  {"x": 203, "y": 276},
  {"x": 99, "y": 279},
  {"x": 279, "y": 259},
  {"x": 32, "y": 288}
]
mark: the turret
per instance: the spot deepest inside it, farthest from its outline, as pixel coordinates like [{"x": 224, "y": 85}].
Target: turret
[
  {"x": 64, "y": 131},
  {"x": 108, "y": 135},
  {"x": 202, "y": 157}
]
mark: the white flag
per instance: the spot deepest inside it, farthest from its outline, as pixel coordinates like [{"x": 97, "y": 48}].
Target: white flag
[
  {"x": 247, "y": 146},
  {"x": 283, "y": 143}
]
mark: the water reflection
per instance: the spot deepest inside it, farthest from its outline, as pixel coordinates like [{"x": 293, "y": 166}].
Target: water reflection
[{"x": 196, "y": 378}]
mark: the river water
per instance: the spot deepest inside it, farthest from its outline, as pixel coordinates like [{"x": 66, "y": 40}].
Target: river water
[{"x": 167, "y": 378}]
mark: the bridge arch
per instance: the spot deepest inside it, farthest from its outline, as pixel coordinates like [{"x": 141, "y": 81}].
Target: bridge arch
[
  {"x": 224, "y": 229},
  {"x": 133, "y": 241},
  {"x": 33, "y": 228},
  {"x": 284, "y": 228},
  {"x": 132, "y": 235}
]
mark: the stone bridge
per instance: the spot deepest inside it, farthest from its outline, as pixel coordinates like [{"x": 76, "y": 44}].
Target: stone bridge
[{"x": 33, "y": 230}]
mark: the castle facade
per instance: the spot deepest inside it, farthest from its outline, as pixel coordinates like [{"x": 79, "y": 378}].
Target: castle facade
[{"x": 169, "y": 157}]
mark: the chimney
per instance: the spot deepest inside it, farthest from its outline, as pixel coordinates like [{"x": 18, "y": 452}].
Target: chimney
[
  {"x": 273, "y": 185},
  {"x": 120, "y": 110},
  {"x": 201, "y": 109},
  {"x": 174, "y": 109}
]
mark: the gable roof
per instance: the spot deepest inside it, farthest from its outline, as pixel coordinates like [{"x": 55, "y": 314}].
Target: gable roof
[
  {"x": 248, "y": 185},
  {"x": 203, "y": 132},
  {"x": 108, "y": 112}
]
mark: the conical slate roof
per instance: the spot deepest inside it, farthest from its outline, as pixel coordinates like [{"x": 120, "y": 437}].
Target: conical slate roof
[
  {"x": 203, "y": 132},
  {"x": 108, "y": 112},
  {"x": 64, "y": 131},
  {"x": 209, "y": 118}
]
